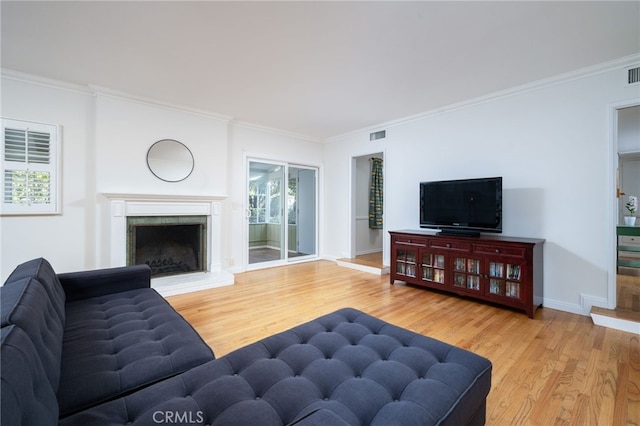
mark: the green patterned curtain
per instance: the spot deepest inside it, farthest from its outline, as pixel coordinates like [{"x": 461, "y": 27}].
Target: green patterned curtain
[{"x": 375, "y": 194}]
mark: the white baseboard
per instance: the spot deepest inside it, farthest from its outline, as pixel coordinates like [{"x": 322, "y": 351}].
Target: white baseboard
[
  {"x": 616, "y": 323},
  {"x": 370, "y": 251},
  {"x": 364, "y": 268},
  {"x": 582, "y": 308}
]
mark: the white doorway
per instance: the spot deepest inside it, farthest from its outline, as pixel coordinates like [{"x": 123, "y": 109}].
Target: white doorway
[
  {"x": 623, "y": 289},
  {"x": 627, "y": 141},
  {"x": 365, "y": 243}
]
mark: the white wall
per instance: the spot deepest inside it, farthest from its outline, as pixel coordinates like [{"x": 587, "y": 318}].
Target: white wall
[
  {"x": 550, "y": 143},
  {"x": 126, "y": 128},
  {"x": 67, "y": 240}
]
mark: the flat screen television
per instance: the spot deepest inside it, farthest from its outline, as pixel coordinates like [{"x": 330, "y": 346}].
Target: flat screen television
[{"x": 466, "y": 206}]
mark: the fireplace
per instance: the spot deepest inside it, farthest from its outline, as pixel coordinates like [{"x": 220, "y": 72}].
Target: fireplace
[
  {"x": 170, "y": 245},
  {"x": 178, "y": 236}
]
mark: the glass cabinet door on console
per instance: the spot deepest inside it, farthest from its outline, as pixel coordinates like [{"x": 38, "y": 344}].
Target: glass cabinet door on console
[
  {"x": 406, "y": 262},
  {"x": 505, "y": 279},
  {"x": 432, "y": 266},
  {"x": 467, "y": 273}
]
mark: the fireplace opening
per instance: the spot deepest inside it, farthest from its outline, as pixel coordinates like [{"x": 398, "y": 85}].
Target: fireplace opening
[{"x": 169, "y": 245}]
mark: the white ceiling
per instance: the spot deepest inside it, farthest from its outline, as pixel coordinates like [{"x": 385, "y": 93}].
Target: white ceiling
[{"x": 319, "y": 68}]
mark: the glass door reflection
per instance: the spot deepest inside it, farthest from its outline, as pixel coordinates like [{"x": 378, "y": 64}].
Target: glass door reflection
[
  {"x": 266, "y": 204},
  {"x": 301, "y": 212}
]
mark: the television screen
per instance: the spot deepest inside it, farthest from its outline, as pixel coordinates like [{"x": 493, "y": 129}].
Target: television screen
[{"x": 473, "y": 205}]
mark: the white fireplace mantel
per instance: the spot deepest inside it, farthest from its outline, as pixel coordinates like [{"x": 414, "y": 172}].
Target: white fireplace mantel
[{"x": 127, "y": 205}]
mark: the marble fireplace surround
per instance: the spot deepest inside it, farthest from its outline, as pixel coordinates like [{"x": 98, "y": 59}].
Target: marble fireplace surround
[{"x": 122, "y": 206}]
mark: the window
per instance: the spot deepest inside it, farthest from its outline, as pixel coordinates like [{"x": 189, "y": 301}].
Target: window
[
  {"x": 274, "y": 201},
  {"x": 30, "y": 168},
  {"x": 257, "y": 202},
  {"x": 264, "y": 201}
]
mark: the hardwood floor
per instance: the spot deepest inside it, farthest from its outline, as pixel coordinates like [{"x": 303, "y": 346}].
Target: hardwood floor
[
  {"x": 558, "y": 368},
  {"x": 628, "y": 292}
]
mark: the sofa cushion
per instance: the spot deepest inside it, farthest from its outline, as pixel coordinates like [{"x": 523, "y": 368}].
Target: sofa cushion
[
  {"x": 43, "y": 272},
  {"x": 98, "y": 282},
  {"x": 27, "y": 304},
  {"x": 360, "y": 368},
  {"x": 27, "y": 397},
  {"x": 116, "y": 343}
]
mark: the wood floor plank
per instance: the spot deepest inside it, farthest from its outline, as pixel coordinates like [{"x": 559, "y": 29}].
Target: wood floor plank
[{"x": 558, "y": 368}]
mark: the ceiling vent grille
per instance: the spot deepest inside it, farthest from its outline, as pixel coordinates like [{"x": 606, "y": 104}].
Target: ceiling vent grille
[
  {"x": 633, "y": 75},
  {"x": 377, "y": 135}
]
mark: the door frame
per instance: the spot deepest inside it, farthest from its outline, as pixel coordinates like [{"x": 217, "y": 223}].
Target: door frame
[
  {"x": 614, "y": 205},
  {"x": 352, "y": 203}
]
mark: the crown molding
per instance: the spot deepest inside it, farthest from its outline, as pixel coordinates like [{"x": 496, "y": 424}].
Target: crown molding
[
  {"x": 116, "y": 94},
  {"x": 274, "y": 131},
  {"x": 45, "y": 82},
  {"x": 616, "y": 64},
  {"x": 94, "y": 90}
]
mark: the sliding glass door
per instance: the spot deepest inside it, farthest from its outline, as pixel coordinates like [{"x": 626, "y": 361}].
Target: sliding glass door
[
  {"x": 302, "y": 212},
  {"x": 282, "y": 212}
]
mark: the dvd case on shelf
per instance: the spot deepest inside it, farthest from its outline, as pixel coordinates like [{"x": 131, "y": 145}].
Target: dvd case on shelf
[
  {"x": 496, "y": 269},
  {"x": 427, "y": 274},
  {"x": 458, "y": 264},
  {"x": 473, "y": 266},
  {"x": 513, "y": 290},
  {"x": 513, "y": 272},
  {"x": 496, "y": 286},
  {"x": 473, "y": 282},
  {"x": 411, "y": 270}
]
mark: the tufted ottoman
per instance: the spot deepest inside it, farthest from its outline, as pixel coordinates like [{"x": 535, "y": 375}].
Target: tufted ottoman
[{"x": 344, "y": 368}]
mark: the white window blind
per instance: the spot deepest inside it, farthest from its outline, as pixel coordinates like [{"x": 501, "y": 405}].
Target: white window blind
[{"x": 30, "y": 168}]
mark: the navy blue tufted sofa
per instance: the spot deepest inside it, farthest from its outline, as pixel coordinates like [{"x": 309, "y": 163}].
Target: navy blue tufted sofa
[{"x": 344, "y": 368}]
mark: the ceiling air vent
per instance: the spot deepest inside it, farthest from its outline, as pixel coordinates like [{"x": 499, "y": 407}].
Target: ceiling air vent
[
  {"x": 377, "y": 135},
  {"x": 633, "y": 75}
]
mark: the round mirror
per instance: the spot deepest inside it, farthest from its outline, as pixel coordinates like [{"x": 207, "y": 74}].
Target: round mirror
[{"x": 170, "y": 160}]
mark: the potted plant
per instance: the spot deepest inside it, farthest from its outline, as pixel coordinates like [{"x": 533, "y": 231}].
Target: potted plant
[{"x": 632, "y": 206}]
